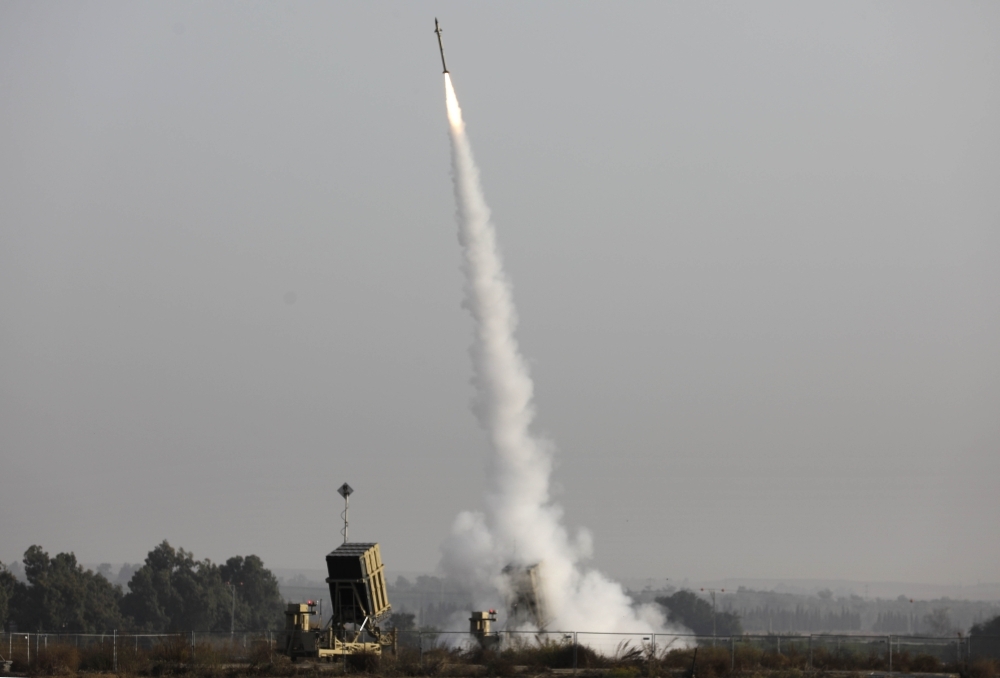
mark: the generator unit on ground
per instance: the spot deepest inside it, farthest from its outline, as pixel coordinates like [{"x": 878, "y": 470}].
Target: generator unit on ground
[
  {"x": 479, "y": 627},
  {"x": 360, "y": 607}
]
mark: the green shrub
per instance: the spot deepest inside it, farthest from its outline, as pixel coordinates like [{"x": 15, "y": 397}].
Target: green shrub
[
  {"x": 623, "y": 672},
  {"x": 55, "y": 660},
  {"x": 363, "y": 662},
  {"x": 708, "y": 662},
  {"x": 172, "y": 649},
  {"x": 982, "y": 668},
  {"x": 260, "y": 652},
  {"x": 747, "y": 657},
  {"x": 97, "y": 657},
  {"x": 677, "y": 659},
  {"x": 499, "y": 665},
  {"x": 925, "y": 663}
]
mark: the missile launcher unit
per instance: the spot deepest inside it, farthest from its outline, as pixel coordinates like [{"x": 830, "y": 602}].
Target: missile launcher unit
[
  {"x": 357, "y": 584},
  {"x": 525, "y": 599},
  {"x": 360, "y": 607}
]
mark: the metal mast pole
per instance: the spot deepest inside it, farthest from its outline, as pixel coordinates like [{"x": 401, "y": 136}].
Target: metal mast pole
[
  {"x": 345, "y": 491},
  {"x": 232, "y": 618}
]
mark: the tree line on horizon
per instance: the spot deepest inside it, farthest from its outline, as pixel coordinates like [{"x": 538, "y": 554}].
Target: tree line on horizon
[
  {"x": 687, "y": 608},
  {"x": 170, "y": 592},
  {"x": 802, "y": 619}
]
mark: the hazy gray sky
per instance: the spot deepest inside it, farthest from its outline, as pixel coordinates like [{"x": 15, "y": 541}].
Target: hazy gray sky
[{"x": 753, "y": 246}]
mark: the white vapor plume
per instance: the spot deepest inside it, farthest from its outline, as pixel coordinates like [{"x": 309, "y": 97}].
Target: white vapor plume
[{"x": 520, "y": 525}]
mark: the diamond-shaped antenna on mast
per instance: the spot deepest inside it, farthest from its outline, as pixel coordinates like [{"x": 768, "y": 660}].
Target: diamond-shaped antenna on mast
[{"x": 345, "y": 491}]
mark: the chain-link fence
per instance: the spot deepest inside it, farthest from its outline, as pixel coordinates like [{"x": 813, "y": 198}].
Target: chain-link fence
[
  {"x": 815, "y": 651},
  {"x": 558, "y": 650},
  {"x": 111, "y": 651}
]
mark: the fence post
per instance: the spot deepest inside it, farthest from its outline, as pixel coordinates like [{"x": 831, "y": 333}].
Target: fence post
[
  {"x": 889, "y": 640},
  {"x": 576, "y": 644},
  {"x": 732, "y": 650},
  {"x": 810, "y": 651},
  {"x": 420, "y": 642}
]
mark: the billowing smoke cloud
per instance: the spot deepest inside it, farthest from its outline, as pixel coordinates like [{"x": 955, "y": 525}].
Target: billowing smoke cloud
[{"x": 520, "y": 525}]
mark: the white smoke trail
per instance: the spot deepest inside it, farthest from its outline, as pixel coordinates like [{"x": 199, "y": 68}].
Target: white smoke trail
[{"x": 521, "y": 525}]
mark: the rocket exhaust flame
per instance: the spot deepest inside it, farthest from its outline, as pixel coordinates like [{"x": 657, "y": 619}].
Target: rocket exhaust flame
[
  {"x": 520, "y": 526},
  {"x": 451, "y": 103}
]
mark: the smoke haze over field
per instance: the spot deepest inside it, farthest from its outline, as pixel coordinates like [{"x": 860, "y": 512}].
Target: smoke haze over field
[{"x": 754, "y": 249}]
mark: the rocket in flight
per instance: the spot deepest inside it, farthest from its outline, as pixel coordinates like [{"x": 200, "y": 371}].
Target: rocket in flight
[{"x": 437, "y": 29}]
